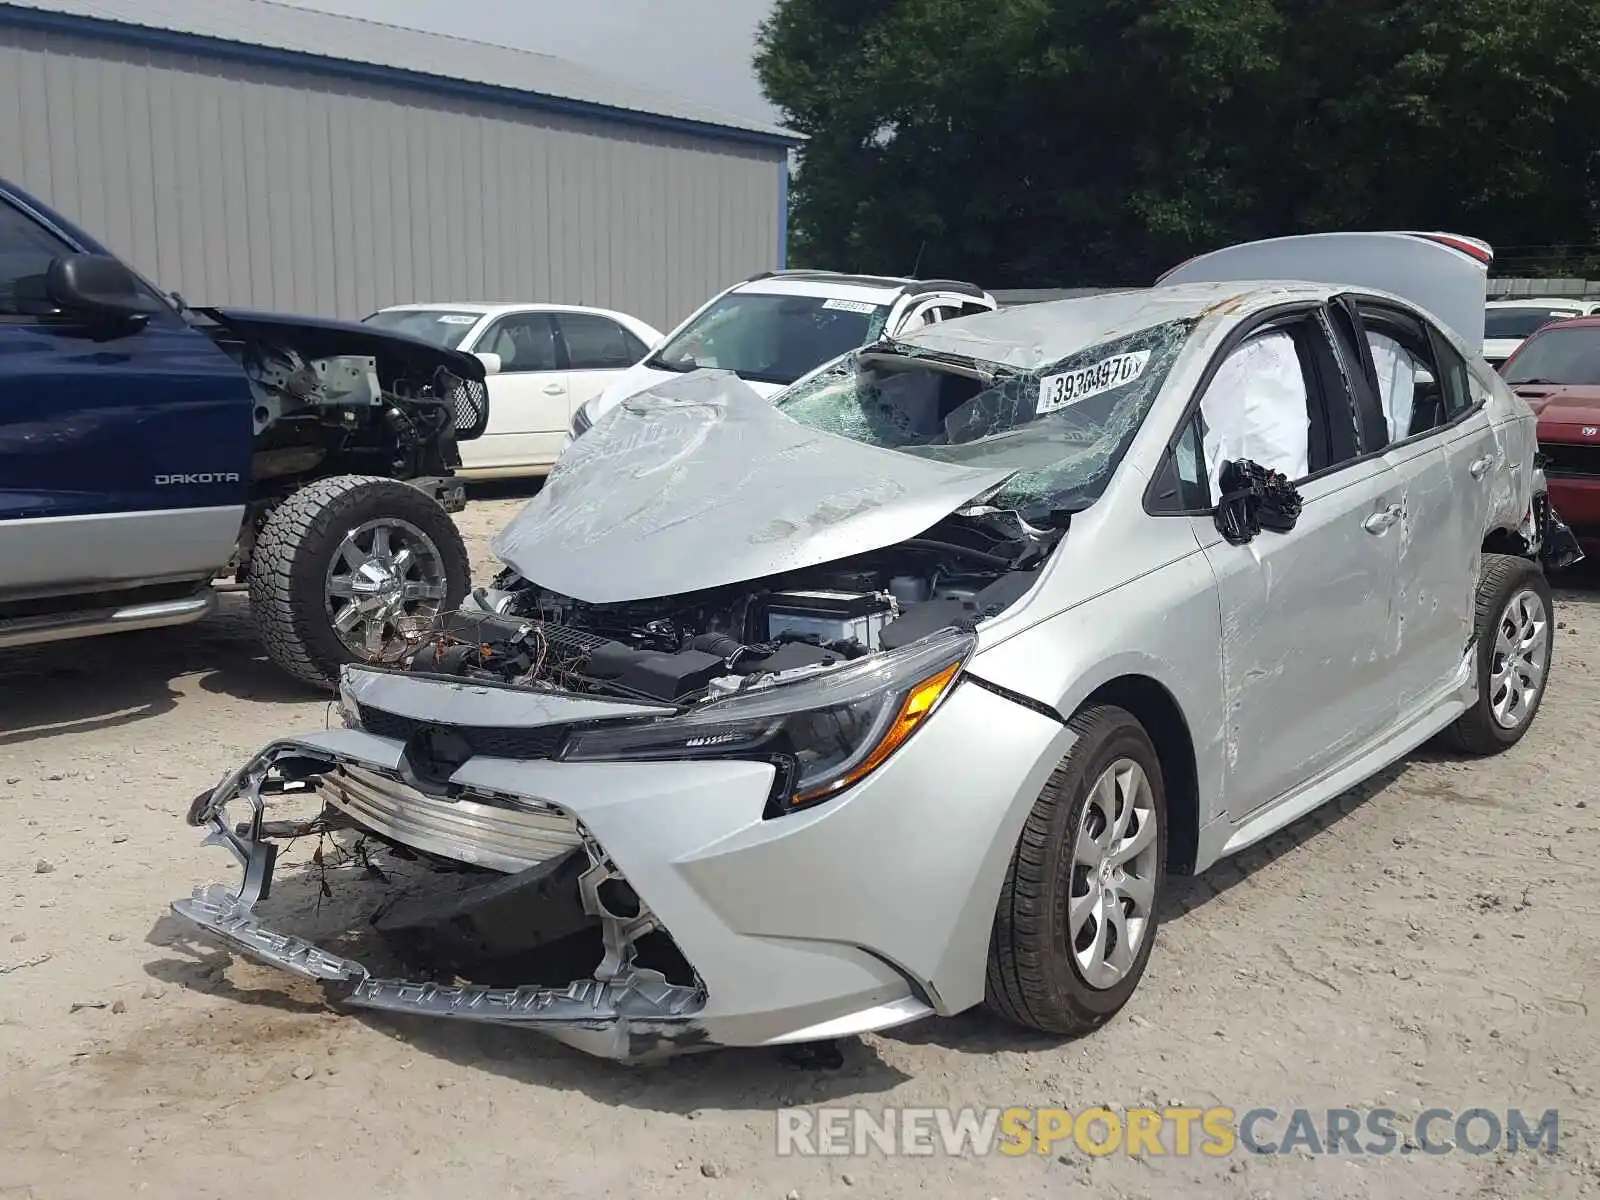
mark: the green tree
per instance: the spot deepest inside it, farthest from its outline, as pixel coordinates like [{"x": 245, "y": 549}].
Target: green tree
[{"x": 1040, "y": 142}]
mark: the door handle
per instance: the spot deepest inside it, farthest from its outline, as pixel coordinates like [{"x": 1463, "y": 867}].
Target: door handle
[
  {"x": 1380, "y": 521},
  {"x": 553, "y": 389},
  {"x": 1480, "y": 467}
]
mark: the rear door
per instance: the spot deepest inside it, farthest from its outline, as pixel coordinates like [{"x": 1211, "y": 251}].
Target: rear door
[
  {"x": 1440, "y": 441},
  {"x": 124, "y": 450},
  {"x": 598, "y": 349},
  {"x": 529, "y": 398},
  {"x": 1308, "y": 615}
]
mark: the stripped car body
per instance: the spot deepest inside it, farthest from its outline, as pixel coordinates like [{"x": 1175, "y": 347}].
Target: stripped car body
[
  {"x": 149, "y": 448},
  {"x": 763, "y": 679}
]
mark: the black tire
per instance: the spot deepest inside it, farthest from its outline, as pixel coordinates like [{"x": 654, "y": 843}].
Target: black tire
[
  {"x": 292, "y": 554},
  {"x": 1502, "y": 578},
  {"x": 1033, "y": 978}
]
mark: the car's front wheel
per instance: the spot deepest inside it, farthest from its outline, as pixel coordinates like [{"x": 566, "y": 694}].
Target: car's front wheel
[
  {"x": 1515, "y": 638},
  {"x": 349, "y": 570},
  {"x": 1078, "y": 912}
]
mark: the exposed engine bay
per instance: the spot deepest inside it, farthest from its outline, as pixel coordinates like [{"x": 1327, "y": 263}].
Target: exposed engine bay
[
  {"x": 685, "y": 649},
  {"x": 334, "y": 399}
]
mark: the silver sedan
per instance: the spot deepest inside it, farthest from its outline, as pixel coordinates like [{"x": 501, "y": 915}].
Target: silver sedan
[{"x": 908, "y": 691}]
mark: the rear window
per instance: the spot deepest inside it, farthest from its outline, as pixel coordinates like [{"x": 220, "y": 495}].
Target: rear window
[
  {"x": 1520, "y": 322},
  {"x": 441, "y": 326},
  {"x": 1564, "y": 356}
]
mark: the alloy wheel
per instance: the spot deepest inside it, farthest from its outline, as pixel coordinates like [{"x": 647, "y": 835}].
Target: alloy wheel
[
  {"x": 386, "y": 582},
  {"x": 1114, "y": 867},
  {"x": 1521, "y": 645}
]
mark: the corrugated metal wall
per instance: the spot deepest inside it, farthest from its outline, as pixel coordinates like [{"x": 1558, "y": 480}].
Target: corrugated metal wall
[{"x": 280, "y": 189}]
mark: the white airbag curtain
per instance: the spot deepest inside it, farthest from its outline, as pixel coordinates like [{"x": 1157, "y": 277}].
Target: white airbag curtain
[
  {"x": 1257, "y": 408},
  {"x": 1397, "y": 383}
]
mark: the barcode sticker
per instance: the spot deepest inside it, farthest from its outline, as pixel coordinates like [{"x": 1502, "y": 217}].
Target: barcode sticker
[
  {"x": 1058, "y": 391},
  {"x": 855, "y": 306}
]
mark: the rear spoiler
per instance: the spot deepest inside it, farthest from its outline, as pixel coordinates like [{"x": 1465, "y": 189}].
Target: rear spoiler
[{"x": 1444, "y": 273}]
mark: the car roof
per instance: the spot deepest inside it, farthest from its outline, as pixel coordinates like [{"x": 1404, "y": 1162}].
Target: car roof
[
  {"x": 494, "y": 309},
  {"x": 878, "y": 289},
  {"x": 1031, "y": 336}
]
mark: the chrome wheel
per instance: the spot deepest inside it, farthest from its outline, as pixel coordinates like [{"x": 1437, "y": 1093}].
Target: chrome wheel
[
  {"x": 1114, "y": 866},
  {"x": 1516, "y": 674},
  {"x": 387, "y": 579}
]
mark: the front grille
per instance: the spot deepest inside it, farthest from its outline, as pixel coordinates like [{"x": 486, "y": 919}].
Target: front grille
[
  {"x": 492, "y": 741},
  {"x": 1569, "y": 459},
  {"x": 469, "y": 400},
  {"x": 497, "y": 833}
]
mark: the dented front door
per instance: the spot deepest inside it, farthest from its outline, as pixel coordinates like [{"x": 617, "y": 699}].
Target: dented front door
[{"x": 1308, "y": 633}]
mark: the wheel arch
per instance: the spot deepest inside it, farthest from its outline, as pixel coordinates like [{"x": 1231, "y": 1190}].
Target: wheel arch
[{"x": 1155, "y": 708}]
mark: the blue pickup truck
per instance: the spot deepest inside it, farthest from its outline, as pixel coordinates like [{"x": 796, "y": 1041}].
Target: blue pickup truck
[{"x": 149, "y": 451}]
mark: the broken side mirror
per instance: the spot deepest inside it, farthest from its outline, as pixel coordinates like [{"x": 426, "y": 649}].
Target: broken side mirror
[{"x": 1253, "y": 499}]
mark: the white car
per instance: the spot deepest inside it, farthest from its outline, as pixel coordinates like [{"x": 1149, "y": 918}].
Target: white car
[
  {"x": 777, "y": 327},
  {"x": 1508, "y": 323},
  {"x": 544, "y": 362}
]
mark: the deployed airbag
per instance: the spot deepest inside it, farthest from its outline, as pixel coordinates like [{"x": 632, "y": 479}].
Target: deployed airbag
[{"x": 1256, "y": 409}]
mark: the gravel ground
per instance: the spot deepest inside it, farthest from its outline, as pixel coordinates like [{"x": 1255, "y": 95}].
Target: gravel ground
[{"x": 1427, "y": 940}]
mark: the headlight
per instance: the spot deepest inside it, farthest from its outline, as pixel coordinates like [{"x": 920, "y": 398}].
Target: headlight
[
  {"x": 823, "y": 733},
  {"x": 582, "y": 421}
]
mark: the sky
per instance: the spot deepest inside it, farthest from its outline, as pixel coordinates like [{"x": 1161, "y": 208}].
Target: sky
[{"x": 698, "y": 49}]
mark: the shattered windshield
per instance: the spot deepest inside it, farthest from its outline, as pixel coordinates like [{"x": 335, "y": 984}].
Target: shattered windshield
[
  {"x": 441, "y": 326},
  {"x": 1063, "y": 428},
  {"x": 771, "y": 339}
]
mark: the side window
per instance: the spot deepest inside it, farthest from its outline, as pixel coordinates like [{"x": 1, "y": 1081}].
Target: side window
[
  {"x": 971, "y": 310},
  {"x": 524, "y": 343},
  {"x": 1453, "y": 376},
  {"x": 1258, "y": 406},
  {"x": 26, "y": 249},
  {"x": 596, "y": 343},
  {"x": 1422, "y": 381},
  {"x": 1189, "y": 461}
]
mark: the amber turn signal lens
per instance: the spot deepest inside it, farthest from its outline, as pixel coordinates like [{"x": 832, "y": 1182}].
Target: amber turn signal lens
[{"x": 914, "y": 709}]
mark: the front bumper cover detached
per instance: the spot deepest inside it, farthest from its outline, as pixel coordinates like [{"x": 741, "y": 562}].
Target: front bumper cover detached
[{"x": 624, "y": 1012}]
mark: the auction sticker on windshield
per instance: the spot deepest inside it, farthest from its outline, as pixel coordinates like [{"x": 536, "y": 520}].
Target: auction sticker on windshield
[
  {"x": 850, "y": 306},
  {"x": 1058, "y": 391}
]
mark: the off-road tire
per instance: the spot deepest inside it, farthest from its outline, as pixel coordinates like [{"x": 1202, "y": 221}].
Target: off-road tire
[
  {"x": 1501, "y": 577},
  {"x": 289, "y": 564},
  {"x": 1033, "y": 979}
]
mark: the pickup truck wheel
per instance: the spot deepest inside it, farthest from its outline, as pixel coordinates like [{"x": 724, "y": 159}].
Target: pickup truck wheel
[
  {"x": 346, "y": 568},
  {"x": 1516, "y": 634}
]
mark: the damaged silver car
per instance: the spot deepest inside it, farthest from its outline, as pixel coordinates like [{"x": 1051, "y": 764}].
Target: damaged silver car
[{"x": 908, "y": 692}]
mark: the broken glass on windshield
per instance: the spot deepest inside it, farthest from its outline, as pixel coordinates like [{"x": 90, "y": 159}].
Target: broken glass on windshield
[{"x": 1063, "y": 428}]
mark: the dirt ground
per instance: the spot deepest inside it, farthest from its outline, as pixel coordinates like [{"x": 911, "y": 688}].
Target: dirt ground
[{"x": 1431, "y": 939}]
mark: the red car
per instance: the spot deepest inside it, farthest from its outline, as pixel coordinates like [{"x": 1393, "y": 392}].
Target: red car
[{"x": 1557, "y": 371}]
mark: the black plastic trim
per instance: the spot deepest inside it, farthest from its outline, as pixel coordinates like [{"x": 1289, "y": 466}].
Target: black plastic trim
[{"x": 1038, "y": 706}]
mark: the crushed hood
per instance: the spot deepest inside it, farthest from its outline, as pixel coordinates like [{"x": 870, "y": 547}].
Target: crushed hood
[
  {"x": 699, "y": 482},
  {"x": 314, "y": 337}
]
